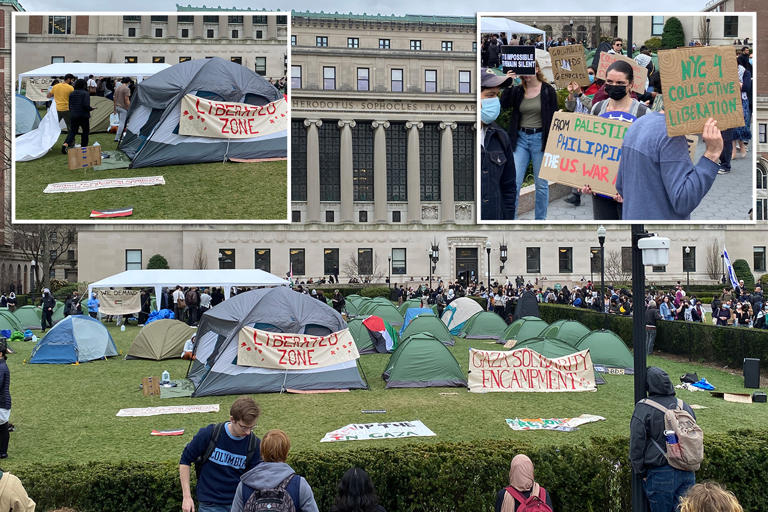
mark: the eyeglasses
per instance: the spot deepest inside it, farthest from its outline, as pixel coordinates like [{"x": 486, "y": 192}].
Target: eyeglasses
[{"x": 245, "y": 428}]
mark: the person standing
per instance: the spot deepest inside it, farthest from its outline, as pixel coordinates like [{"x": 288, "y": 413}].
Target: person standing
[
  {"x": 60, "y": 93},
  {"x": 178, "y": 302},
  {"x": 338, "y": 301},
  {"x": 122, "y": 102},
  {"x": 522, "y": 487},
  {"x": 47, "y": 304},
  {"x": 13, "y": 496},
  {"x": 5, "y": 400},
  {"x": 205, "y": 302},
  {"x": 79, "y": 114},
  {"x": 233, "y": 452},
  {"x": 93, "y": 306},
  {"x": 356, "y": 493},
  {"x": 663, "y": 484},
  {"x": 146, "y": 306}
]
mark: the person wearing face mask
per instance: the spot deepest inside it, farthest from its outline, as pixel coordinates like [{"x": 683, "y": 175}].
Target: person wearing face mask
[
  {"x": 497, "y": 183},
  {"x": 533, "y": 104}
]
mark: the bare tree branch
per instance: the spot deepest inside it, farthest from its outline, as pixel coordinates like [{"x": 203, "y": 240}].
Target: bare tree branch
[
  {"x": 713, "y": 260},
  {"x": 200, "y": 260},
  {"x": 45, "y": 244}
]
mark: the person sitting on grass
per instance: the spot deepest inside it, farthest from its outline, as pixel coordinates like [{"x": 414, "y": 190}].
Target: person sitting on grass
[
  {"x": 356, "y": 493},
  {"x": 522, "y": 487}
]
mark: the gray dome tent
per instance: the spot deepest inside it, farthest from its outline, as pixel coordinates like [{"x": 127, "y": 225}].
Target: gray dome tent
[
  {"x": 279, "y": 309},
  {"x": 152, "y": 136}
]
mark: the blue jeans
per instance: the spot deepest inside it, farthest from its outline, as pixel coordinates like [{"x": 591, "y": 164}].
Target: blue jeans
[
  {"x": 664, "y": 486},
  {"x": 213, "y": 507},
  {"x": 529, "y": 150}
]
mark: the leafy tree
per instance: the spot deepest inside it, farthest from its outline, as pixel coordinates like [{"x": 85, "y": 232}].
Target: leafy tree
[
  {"x": 157, "y": 262},
  {"x": 672, "y": 36}
]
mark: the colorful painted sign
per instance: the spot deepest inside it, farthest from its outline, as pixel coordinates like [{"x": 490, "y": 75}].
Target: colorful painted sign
[{"x": 392, "y": 430}]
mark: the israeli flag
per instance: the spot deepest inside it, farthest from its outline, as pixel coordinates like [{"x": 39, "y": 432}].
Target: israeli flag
[{"x": 729, "y": 267}]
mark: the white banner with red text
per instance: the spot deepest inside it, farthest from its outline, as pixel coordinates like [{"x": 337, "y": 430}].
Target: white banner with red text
[
  {"x": 202, "y": 117},
  {"x": 281, "y": 351}
]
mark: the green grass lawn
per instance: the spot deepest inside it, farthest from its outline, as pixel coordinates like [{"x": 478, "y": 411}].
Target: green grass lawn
[
  {"x": 67, "y": 412},
  {"x": 237, "y": 191}
]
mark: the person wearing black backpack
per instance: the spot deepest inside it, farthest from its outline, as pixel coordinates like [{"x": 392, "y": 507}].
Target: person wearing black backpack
[
  {"x": 273, "y": 485},
  {"x": 221, "y": 453},
  {"x": 523, "y": 493}
]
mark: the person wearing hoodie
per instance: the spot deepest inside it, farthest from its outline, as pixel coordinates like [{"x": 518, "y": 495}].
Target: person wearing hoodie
[
  {"x": 274, "y": 472},
  {"x": 663, "y": 484},
  {"x": 47, "y": 303}
]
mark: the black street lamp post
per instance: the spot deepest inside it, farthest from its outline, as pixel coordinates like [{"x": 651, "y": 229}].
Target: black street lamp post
[
  {"x": 389, "y": 273},
  {"x": 434, "y": 257},
  {"x": 687, "y": 267},
  {"x": 429, "y": 264},
  {"x": 601, "y": 238},
  {"x": 33, "y": 266},
  {"x": 488, "y": 252},
  {"x": 503, "y": 255}
]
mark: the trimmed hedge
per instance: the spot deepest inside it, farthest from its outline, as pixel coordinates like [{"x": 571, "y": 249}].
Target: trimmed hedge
[
  {"x": 594, "y": 476},
  {"x": 741, "y": 269}
]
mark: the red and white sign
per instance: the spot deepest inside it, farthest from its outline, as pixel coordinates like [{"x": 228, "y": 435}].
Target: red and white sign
[
  {"x": 202, "y": 117},
  {"x": 281, "y": 351},
  {"x": 527, "y": 370}
]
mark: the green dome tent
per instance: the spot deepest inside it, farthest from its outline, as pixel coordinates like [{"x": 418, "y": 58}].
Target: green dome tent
[
  {"x": 548, "y": 347},
  {"x": 429, "y": 324},
  {"x": 8, "y": 321},
  {"x": 363, "y": 331},
  {"x": 523, "y": 329},
  {"x": 28, "y": 316},
  {"x": 386, "y": 311},
  {"x": 161, "y": 339},
  {"x": 352, "y": 304},
  {"x": 570, "y": 331},
  {"x": 607, "y": 349},
  {"x": 484, "y": 325},
  {"x": 421, "y": 361},
  {"x": 406, "y": 305}
]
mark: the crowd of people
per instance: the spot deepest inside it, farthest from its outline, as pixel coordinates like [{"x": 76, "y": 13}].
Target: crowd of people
[{"x": 528, "y": 103}]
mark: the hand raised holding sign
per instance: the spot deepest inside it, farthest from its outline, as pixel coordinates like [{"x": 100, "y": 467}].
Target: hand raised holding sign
[{"x": 713, "y": 140}]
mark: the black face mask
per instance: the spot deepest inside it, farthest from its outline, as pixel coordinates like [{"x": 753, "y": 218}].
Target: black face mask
[{"x": 616, "y": 92}]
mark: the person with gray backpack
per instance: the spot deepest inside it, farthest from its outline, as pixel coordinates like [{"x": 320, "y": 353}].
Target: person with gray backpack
[{"x": 666, "y": 446}]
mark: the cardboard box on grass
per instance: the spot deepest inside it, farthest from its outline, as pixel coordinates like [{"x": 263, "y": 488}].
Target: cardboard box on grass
[{"x": 83, "y": 157}]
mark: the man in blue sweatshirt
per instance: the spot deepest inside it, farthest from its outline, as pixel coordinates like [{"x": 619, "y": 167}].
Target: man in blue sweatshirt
[
  {"x": 229, "y": 460},
  {"x": 656, "y": 177}
]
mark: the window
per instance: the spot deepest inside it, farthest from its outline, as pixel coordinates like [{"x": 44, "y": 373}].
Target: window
[
  {"x": 235, "y": 34},
  {"x": 133, "y": 259},
  {"x": 474, "y": 46},
  {"x": 71, "y": 254},
  {"x": 689, "y": 259},
  {"x": 295, "y": 215},
  {"x": 464, "y": 82},
  {"x": 398, "y": 261},
  {"x": 415, "y": 44},
  {"x": 235, "y": 19},
  {"x": 226, "y": 258},
  {"x": 362, "y": 79},
  {"x": 762, "y": 177},
  {"x": 260, "y": 35},
  {"x": 158, "y": 60},
  {"x": 259, "y": 20},
  {"x": 383, "y": 44},
  {"x": 730, "y": 26},
  {"x": 210, "y": 19},
  {"x": 464, "y": 162},
  {"x": 429, "y": 162},
  {"x": 330, "y": 261},
  {"x": 158, "y": 19},
  {"x": 758, "y": 259},
  {"x": 295, "y": 77},
  {"x": 430, "y": 80},
  {"x": 260, "y": 65},
  {"x": 330, "y": 216},
  {"x": 762, "y": 209},
  {"x": 297, "y": 261},
  {"x": 321, "y": 41},
  {"x": 282, "y": 20},
  {"x": 397, "y": 80},
  {"x": 236, "y": 60},
  {"x": 184, "y": 59},
  {"x": 329, "y": 78},
  {"x": 132, "y": 59},
  {"x": 397, "y": 162},
  {"x": 762, "y": 133},
  {"x": 353, "y": 42},
  {"x": 565, "y": 259},
  {"x": 626, "y": 260},
  {"x": 396, "y": 216},
  {"x": 594, "y": 260},
  {"x": 180, "y": 19},
  {"x": 659, "y": 268},
  {"x": 131, "y": 31},
  {"x": 330, "y": 171},
  {"x": 362, "y": 216},
  {"x": 59, "y": 24},
  {"x": 158, "y": 32},
  {"x": 365, "y": 262},
  {"x": 298, "y": 160},
  {"x": 658, "y": 25},
  {"x": 57, "y": 58},
  {"x": 131, "y": 18},
  {"x": 293, "y": 37},
  {"x": 532, "y": 260},
  {"x": 262, "y": 259},
  {"x": 362, "y": 162},
  {"x": 447, "y": 46},
  {"x": 185, "y": 32},
  {"x": 209, "y": 33}
]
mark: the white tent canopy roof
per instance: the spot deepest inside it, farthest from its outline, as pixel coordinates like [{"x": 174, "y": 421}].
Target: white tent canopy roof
[
  {"x": 490, "y": 25},
  {"x": 84, "y": 69},
  {"x": 160, "y": 279}
]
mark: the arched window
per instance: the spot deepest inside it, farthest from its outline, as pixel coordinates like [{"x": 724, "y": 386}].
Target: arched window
[
  {"x": 567, "y": 31},
  {"x": 762, "y": 177},
  {"x": 581, "y": 33}
]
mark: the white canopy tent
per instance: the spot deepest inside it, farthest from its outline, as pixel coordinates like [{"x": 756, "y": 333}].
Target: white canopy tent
[
  {"x": 491, "y": 25},
  {"x": 159, "y": 279},
  {"x": 84, "y": 69}
]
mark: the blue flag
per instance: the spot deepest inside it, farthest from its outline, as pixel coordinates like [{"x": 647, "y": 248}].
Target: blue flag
[{"x": 729, "y": 267}]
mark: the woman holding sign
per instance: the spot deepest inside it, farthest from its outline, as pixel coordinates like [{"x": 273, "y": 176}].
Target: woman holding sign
[{"x": 533, "y": 104}]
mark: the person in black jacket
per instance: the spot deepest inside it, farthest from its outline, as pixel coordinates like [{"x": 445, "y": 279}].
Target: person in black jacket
[
  {"x": 5, "y": 400},
  {"x": 79, "y": 114},
  {"x": 497, "y": 168},
  {"x": 663, "y": 484},
  {"x": 356, "y": 493},
  {"x": 47, "y": 304},
  {"x": 533, "y": 104}
]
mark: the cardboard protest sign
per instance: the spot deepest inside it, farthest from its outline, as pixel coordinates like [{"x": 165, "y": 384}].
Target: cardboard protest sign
[
  {"x": 568, "y": 65},
  {"x": 282, "y": 351},
  {"x": 640, "y": 73},
  {"x": 202, "y": 117},
  {"x": 83, "y": 157},
  {"x": 527, "y": 370},
  {"x": 119, "y": 301},
  {"x": 562, "y": 424},
  {"x": 700, "y": 82},
  {"x": 584, "y": 150},
  {"x": 519, "y": 59},
  {"x": 393, "y": 430}
]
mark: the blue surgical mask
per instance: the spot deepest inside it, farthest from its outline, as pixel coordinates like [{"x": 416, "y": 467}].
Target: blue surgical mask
[
  {"x": 750, "y": 61},
  {"x": 591, "y": 78},
  {"x": 490, "y": 110}
]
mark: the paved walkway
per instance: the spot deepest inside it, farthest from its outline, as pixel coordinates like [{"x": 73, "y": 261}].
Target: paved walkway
[{"x": 730, "y": 197}]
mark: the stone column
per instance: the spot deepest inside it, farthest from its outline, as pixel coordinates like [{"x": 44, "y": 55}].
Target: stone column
[
  {"x": 313, "y": 170},
  {"x": 446, "y": 172},
  {"x": 347, "y": 173},
  {"x": 146, "y": 27},
  {"x": 380, "y": 171},
  {"x": 414, "y": 174},
  {"x": 173, "y": 29},
  {"x": 224, "y": 27},
  {"x": 271, "y": 27},
  {"x": 198, "y": 29}
]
